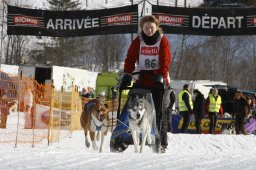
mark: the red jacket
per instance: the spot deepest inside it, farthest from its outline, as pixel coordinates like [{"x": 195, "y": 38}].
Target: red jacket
[{"x": 164, "y": 61}]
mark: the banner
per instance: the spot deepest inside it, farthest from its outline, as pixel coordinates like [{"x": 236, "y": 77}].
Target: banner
[
  {"x": 206, "y": 21},
  {"x": 23, "y": 21},
  {"x": 177, "y": 122}
]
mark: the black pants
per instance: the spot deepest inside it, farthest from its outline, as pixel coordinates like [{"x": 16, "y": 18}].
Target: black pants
[
  {"x": 161, "y": 116},
  {"x": 185, "y": 124},
  {"x": 169, "y": 120},
  {"x": 198, "y": 119},
  {"x": 213, "y": 121},
  {"x": 239, "y": 123}
]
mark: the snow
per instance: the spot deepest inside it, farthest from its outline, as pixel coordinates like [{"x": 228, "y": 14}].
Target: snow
[{"x": 185, "y": 151}]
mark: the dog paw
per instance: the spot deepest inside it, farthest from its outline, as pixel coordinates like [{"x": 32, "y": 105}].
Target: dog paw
[
  {"x": 95, "y": 148},
  {"x": 100, "y": 150},
  {"x": 87, "y": 144},
  {"x": 149, "y": 140},
  {"x": 136, "y": 150}
]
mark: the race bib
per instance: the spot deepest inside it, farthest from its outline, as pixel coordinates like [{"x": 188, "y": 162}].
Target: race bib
[
  {"x": 149, "y": 58},
  {"x": 148, "y": 62}
]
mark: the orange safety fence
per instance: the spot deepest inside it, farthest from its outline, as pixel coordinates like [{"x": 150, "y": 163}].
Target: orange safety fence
[
  {"x": 66, "y": 113},
  {"x": 51, "y": 116}
]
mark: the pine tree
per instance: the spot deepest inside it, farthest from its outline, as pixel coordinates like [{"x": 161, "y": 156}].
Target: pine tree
[{"x": 64, "y": 5}]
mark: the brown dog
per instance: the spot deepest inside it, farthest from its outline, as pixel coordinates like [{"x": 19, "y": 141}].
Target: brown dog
[{"x": 94, "y": 119}]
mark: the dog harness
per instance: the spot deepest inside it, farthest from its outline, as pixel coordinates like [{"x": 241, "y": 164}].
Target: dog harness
[{"x": 98, "y": 124}]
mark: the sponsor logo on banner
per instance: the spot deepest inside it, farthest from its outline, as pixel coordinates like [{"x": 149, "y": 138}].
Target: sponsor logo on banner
[
  {"x": 171, "y": 20},
  {"x": 25, "y": 20},
  {"x": 119, "y": 19}
]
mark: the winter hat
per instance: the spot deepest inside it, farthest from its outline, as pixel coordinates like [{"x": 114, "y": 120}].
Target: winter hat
[{"x": 185, "y": 86}]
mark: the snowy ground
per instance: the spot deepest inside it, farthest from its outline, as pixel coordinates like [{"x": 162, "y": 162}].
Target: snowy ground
[{"x": 185, "y": 151}]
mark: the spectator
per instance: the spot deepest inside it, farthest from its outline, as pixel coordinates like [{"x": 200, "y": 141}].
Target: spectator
[
  {"x": 241, "y": 110},
  {"x": 171, "y": 108},
  {"x": 185, "y": 106},
  {"x": 254, "y": 104},
  {"x": 89, "y": 93},
  {"x": 213, "y": 108},
  {"x": 151, "y": 50},
  {"x": 28, "y": 104},
  {"x": 83, "y": 94},
  {"x": 198, "y": 109}
]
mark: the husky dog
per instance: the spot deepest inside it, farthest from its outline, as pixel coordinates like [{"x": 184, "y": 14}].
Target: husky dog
[
  {"x": 140, "y": 120},
  {"x": 227, "y": 128}
]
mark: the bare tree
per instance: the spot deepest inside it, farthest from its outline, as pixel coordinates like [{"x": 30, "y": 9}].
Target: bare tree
[
  {"x": 230, "y": 59},
  {"x": 109, "y": 50},
  {"x": 64, "y": 51},
  {"x": 13, "y": 46}
]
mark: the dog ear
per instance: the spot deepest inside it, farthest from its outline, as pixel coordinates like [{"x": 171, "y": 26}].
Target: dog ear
[{"x": 106, "y": 105}]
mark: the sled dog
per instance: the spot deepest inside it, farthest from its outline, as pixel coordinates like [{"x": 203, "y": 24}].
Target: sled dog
[
  {"x": 140, "y": 120},
  {"x": 95, "y": 120},
  {"x": 227, "y": 128}
]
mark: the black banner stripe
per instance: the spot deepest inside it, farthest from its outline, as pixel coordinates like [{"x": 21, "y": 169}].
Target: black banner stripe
[
  {"x": 206, "y": 21},
  {"x": 192, "y": 21},
  {"x": 23, "y": 21}
]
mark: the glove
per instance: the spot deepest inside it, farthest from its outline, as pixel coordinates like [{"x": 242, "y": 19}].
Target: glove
[
  {"x": 158, "y": 79},
  {"x": 126, "y": 81}
]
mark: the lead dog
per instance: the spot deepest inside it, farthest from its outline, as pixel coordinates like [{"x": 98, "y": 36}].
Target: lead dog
[
  {"x": 140, "y": 120},
  {"x": 94, "y": 119}
]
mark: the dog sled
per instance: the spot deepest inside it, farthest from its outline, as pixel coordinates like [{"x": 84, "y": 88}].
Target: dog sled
[{"x": 121, "y": 136}]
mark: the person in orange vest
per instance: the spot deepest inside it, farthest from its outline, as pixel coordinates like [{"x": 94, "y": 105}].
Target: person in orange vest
[{"x": 213, "y": 108}]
